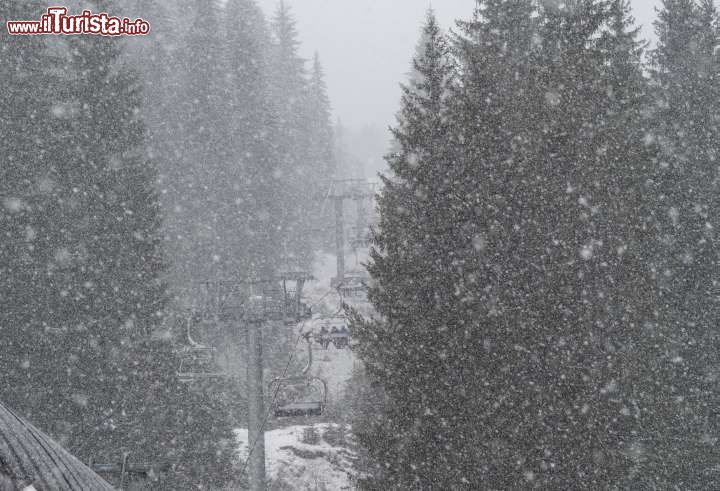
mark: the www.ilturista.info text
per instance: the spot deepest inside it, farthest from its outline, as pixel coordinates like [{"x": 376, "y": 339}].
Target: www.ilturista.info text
[{"x": 56, "y": 21}]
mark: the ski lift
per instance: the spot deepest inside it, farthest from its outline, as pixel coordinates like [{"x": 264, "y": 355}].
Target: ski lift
[
  {"x": 127, "y": 472},
  {"x": 290, "y": 291},
  {"x": 354, "y": 284},
  {"x": 335, "y": 332},
  {"x": 306, "y": 396},
  {"x": 299, "y": 396},
  {"x": 197, "y": 361},
  {"x": 323, "y": 337},
  {"x": 197, "y": 364},
  {"x": 340, "y": 338}
]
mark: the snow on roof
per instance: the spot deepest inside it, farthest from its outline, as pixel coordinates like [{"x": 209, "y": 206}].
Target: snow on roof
[{"x": 30, "y": 458}]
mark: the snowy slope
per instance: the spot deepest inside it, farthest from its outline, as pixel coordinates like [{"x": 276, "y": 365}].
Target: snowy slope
[{"x": 300, "y": 463}]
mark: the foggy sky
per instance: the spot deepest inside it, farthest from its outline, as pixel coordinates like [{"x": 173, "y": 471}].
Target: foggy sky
[{"x": 366, "y": 47}]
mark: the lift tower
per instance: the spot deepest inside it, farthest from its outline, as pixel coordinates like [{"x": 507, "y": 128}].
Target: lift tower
[
  {"x": 252, "y": 303},
  {"x": 358, "y": 190}
]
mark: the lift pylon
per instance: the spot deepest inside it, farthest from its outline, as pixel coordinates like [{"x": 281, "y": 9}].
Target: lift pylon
[{"x": 340, "y": 190}]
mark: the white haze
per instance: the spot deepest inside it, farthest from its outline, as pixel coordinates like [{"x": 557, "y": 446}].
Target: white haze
[{"x": 366, "y": 47}]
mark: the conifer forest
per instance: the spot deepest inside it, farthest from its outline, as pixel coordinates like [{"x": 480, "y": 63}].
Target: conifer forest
[{"x": 312, "y": 245}]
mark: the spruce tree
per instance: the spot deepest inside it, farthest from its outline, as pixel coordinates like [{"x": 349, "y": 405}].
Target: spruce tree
[
  {"x": 411, "y": 350},
  {"x": 321, "y": 143},
  {"x": 584, "y": 237},
  {"x": 321, "y": 135},
  {"x": 122, "y": 380},
  {"x": 207, "y": 168},
  {"x": 685, "y": 74},
  {"x": 92, "y": 373},
  {"x": 28, "y": 211},
  {"x": 293, "y": 177},
  {"x": 256, "y": 142},
  {"x": 163, "y": 70},
  {"x": 495, "y": 111},
  {"x": 514, "y": 324}
]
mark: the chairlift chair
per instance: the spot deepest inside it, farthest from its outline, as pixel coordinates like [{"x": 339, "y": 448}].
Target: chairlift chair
[
  {"x": 340, "y": 339},
  {"x": 307, "y": 396},
  {"x": 130, "y": 470},
  {"x": 283, "y": 300},
  {"x": 333, "y": 330},
  {"x": 198, "y": 364},
  {"x": 294, "y": 306},
  {"x": 197, "y": 361},
  {"x": 354, "y": 284},
  {"x": 353, "y": 291},
  {"x": 323, "y": 337}
]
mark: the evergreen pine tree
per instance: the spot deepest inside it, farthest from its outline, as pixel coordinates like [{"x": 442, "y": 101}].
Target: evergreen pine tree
[
  {"x": 321, "y": 143},
  {"x": 684, "y": 75},
  {"x": 165, "y": 102},
  {"x": 28, "y": 211},
  {"x": 410, "y": 352},
  {"x": 321, "y": 135},
  {"x": 512, "y": 316},
  {"x": 584, "y": 236},
  {"x": 495, "y": 109},
  {"x": 205, "y": 172},
  {"x": 256, "y": 144},
  {"x": 289, "y": 89},
  {"x": 92, "y": 374},
  {"x": 124, "y": 394}
]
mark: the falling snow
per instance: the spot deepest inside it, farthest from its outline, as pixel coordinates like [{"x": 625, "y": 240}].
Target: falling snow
[{"x": 209, "y": 238}]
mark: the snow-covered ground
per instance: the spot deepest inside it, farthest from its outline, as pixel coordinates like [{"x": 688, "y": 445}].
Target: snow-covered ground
[{"x": 303, "y": 458}]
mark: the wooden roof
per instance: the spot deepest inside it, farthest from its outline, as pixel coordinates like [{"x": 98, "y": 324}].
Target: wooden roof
[{"x": 31, "y": 459}]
